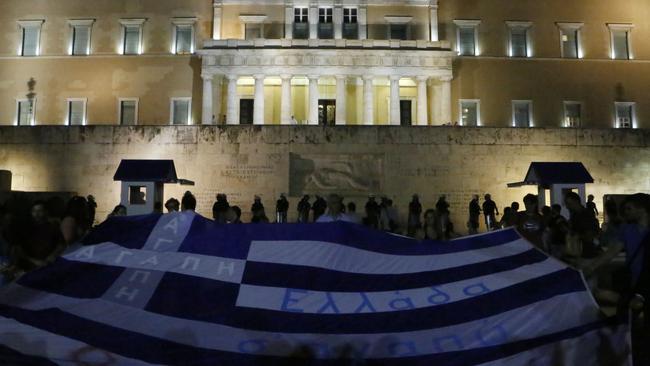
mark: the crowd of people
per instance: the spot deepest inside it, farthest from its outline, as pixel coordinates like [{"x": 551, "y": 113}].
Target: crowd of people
[{"x": 33, "y": 234}]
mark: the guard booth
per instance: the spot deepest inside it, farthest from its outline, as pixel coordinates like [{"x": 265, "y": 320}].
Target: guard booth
[
  {"x": 143, "y": 184},
  {"x": 556, "y": 179}
]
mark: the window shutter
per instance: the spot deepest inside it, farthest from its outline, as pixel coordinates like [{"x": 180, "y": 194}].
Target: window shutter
[
  {"x": 131, "y": 40},
  {"x": 467, "y": 42},
  {"x": 30, "y": 41},
  {"x": 81, "y": 40},
  {"x": 183, "y": 39},
  {"x": 181, "y": 112},
  {"x": 128, "y": 112},
  {"x": 519, "y": 42},
  {"x": 76, "y": 112},
  {"x": 24, "y": 115},
  {"x": 620, "y": 45}
]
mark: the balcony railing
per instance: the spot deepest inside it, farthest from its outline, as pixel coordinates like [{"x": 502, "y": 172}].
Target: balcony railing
[{"x": 325, "y": 43}]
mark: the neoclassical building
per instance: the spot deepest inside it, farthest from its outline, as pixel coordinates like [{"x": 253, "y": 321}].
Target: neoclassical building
[{"x": 527, "y": 63}]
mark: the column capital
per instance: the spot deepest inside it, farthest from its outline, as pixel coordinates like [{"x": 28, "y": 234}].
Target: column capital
[
  {"x": 368, "y": 77},
  {"x": 341, "y": 77},
  {"x": 286, "y": 77},
  {"x": 207, "y": 76},
  {"x": 313, "y": 77},
  {"x": 446, "y": 78},
  {"x": 231, "y": 77},
  {"x": 395, "y": 77},
  {"x": 259, "y": 76},
  {"x": 422, "y": 79}
]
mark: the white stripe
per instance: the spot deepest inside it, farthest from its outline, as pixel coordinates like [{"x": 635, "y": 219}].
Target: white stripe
[
  {"x": 339, "y": 257},
  {"x": 32, "y": 341},
  {"x": 277, "y": 298},
  {"x": 205, "y": 266},
  {"x": 584, "y": 350},
  {"x": 545, "y": 317}
]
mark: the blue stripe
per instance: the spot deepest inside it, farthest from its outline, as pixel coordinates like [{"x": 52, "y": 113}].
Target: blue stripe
[
  {"x": 130, "y": 232},
  {"x": 214, "y": 302},
  {"x": 74, "y": 279},
  {"x": 319, "y": 279},
  {"x": 233, "y": 241},
  {"x": 156, "y": 350}
]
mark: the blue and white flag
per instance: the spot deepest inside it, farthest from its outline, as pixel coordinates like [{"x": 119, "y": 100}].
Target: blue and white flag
[{"x": 177, "y": 289}]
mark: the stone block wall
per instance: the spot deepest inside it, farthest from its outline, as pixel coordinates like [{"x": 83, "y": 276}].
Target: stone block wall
[{"x": 242, "y": 161}]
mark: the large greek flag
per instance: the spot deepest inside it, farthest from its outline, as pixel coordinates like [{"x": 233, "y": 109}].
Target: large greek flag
[{"x": 177, "y": 289}]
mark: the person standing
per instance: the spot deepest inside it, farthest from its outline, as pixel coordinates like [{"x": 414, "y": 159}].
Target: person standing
[
  {"x": 490, "y": 212},
  {"x": 303, "y": 209},
  {"x": 583, "y": 226},
  {"x": 172, "y": 205},
  {"x": 530, "y": 223},
  {"x": 335, "y": 209},
  {"x": 373, "y": 210},
  {"x": 415, "y": 210},
  {"x": 474, "y": 213},
  {"x": 319, "y": 207},
  {"x": 281, "y": 209},
  {"x": 220, "y": 208},
  {"x": 591, "y": 205},
  {"x": 257, "y": 209}
]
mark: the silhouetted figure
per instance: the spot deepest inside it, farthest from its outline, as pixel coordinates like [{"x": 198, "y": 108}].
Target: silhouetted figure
[
  {"x": 583, "y": 225},
  {"x": 352, "y": 213},
  {"x": 556, "y": 231},
  {"x": 319, "y": 207},
  {"x": 172, "y": 205},
  {"x": 220, "y": 208},
  {"x": 373, "y": 211},
  {"x": 591, "y": 205},
  {"x": 76, "y": 220},
  {"x": 442, "y": 209},
  {"x": 92, "y": 208},
  {"x": 442, "y": 206},
  {"x": 188, "y": 202},
  {"x": 415, "y": 210},
  {"x": 281, "y": 209},
  {"x": 233, "y": 216},
  {"x": 490, "y": 212},
  {"x": 474, "y": 213},
  {"x": 530, "y": 223},
  {"x": 259, "y": 214},
  {"x": 303, "y": 209}
]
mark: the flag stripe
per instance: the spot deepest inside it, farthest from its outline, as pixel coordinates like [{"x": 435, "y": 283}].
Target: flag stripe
[
  {"x": 319, "y": 279},
  {"x": 546, "y": 317},
  {"x": 338, "y": 257}
]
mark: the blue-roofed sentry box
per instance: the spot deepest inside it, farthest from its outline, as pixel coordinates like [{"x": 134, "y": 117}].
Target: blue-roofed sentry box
[
  {"x": 143, "y": 183},
  {"x": 558, "y": 178}
]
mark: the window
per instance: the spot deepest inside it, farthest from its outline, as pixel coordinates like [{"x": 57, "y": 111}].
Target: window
[
  {"x": 30, "y": 32},
  {"x": 466, "y": 37},
  {"x": 81, "y": 32},
  {"x": 128, "y": 111},
  {"x": 76, "y": 112},
  {"x": 572, "y": 114},
  {"x": 398, "y": 27},
  {"x": 522, "y": 113},
  {"x": 181, "y": 109},
  {"x": 253, "y": 26},
  {"x": 183, "y": 40},
  {"x": 25, "y": 112},
  {"x": 301, "y": 23},
  {"x": 625, "y": 115},
  {"x": 620, "y": 40},
  {"x": 131, "y": 36},
  {"x": 570, "y": 40},
  {"x": 470, "y": 111},
  {"x": 325, "y": 25},
  {"x": 519, "y": 40},
  {"x": 350, "y": 23},
  {"x": 137, "y": 195}
]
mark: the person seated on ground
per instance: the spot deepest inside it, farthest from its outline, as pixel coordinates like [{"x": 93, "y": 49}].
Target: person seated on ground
[
  {"x": 76, "y": 220},
  {"x": 188, "y": 202},
  {"x": 352, "y": 213},
  {"x": 334, "y": 210},
  {"x": 172, "y": 205},
  {"x": 583, "y": 227},
  {"x": 233, "y": 215},
  {"x": 119, "y": 210},
  {"x": 530, "y": 223}
]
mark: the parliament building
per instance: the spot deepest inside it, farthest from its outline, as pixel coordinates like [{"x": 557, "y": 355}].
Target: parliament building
[{"x": 495, "y": 63}]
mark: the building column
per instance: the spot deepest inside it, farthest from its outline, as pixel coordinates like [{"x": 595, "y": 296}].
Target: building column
[
  {"x": 341, "y": 110},
  {"x": 207, "y": 111},
  {"x": 258, "y": 106},
  {"x": 313, "y": 21},
  {"x": 368, "y": 100},
  {"x": 216, "y": 19},
  {"x": 231, "y": 102},
  {"x": 288, "y": 22},
  {"x": 313, "y": 100},
  {"x": 394, "y": 101},
  {"x": 337, "y": 14},
  {"x": 285, "y": 100},
  {"x": 362, "y": 19},
  {"x": 445, "y": 99},
  {"x": 433, "y": 21},
  {"x": 216, "y": 99},
  {"x": 422, "y": 118}
]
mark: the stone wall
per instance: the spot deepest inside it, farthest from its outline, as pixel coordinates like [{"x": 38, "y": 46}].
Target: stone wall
[{"x": 396, "y": 161}]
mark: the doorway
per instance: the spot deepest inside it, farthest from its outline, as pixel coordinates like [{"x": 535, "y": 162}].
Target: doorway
[
  {"x": 405, "y": 113},
  {"x": 246, "y": 107},
  {"x": 327, "y": 112}
]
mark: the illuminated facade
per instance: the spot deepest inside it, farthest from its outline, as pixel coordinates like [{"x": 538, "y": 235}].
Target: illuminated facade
[{"x": 337, "y": 62}]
